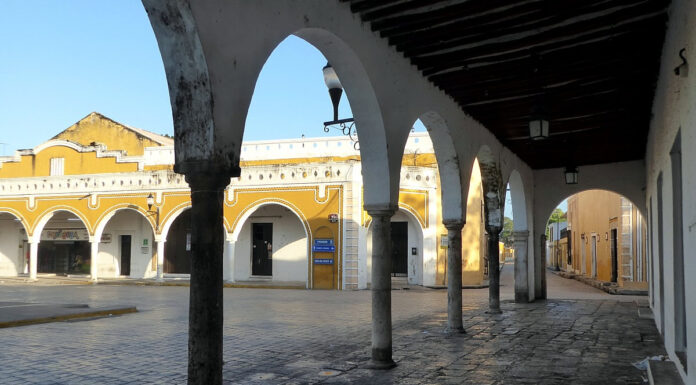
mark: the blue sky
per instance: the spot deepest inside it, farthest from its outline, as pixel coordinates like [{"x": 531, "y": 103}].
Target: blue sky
[
  {"x": 62, "y": 60},
  {"x": 66, "y": 59}
]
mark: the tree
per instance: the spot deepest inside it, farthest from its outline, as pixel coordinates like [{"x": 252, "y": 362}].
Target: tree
[
  {"x": 557, "y": 216},
  {"x": 506, "y": 235}
]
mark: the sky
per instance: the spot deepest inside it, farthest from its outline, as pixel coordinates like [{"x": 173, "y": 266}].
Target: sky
[{"x": 62, "y": 60}]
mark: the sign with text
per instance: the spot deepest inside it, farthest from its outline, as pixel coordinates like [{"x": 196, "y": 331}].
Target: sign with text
[
  {"x": 324, "y": 242},
  {"x": 324, "y": 249},
  {"x": 65, "y": 235},
  {"x": 323, "y": 261}
]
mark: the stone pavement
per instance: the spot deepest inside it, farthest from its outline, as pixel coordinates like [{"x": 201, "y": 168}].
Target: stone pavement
[{"x": 582, "y": 336}]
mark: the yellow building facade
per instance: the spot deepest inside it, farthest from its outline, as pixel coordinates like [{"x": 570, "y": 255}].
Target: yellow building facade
[
  {"x": 101, "y": 198},
  {"x": 607, "y": 239}
]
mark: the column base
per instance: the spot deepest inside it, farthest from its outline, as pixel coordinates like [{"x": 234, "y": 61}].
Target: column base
[
  {"x": 494, "y": 311},
  {"x": 455, "y": 331},
  {"x": 521, "y": 297},
  {"x": 381, "y": 365}
]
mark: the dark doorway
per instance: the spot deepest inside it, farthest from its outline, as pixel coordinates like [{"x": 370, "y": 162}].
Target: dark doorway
[
  {"x": 64, "y": 257},
  {"x": 399, "y": 238},
  {"x": 177, "y": 252},
  {"x": 125, "y": 254},
  {"x": 614, "y": 256},
  {"x": 262, "y": 249}
]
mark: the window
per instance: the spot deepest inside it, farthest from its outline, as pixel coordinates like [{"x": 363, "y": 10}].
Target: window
[{"x": 57, "y": 166}]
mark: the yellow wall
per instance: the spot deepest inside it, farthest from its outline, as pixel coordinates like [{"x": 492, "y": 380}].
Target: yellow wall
[
  {"x": 100, "y": 129},
  {"x": 76, "y": 163},
  {"x": 598, "y": 212}
]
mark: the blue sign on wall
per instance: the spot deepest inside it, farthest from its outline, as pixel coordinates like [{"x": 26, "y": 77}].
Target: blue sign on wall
[
  {"x": 324, "y": 249},
  {"x": 323, "y": 261},
  {"x": 324, "y": 242}
]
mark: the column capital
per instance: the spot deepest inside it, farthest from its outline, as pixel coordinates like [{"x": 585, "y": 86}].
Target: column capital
[
  {"x": 453, "y": 224},
  {"x": 520, "y": 235},
  {"x": 380, "y": 210}
]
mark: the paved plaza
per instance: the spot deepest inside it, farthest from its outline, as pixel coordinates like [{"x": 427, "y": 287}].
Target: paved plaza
[{"x": 579, "y": 336}]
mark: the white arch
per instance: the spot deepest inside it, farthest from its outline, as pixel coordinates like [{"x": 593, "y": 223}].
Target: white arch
[
  {"x": 252, "y": 208},
  {"x": 18, "y": 215},
  {"x": 46, "y": 216},
  {"x": 106, "y": 217},
  {"x": 172, "y": 217},
  {"x": 238, "y": 224},
  {"x": 420, "y": 241}
]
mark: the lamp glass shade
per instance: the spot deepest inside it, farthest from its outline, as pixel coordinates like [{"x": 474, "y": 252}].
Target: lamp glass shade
[
  {"x": 571, "y": 175},
  {"x": 538, "y": 128},
  {"x": 150, "y": 200},
  {"x": 330, "y": 78}
]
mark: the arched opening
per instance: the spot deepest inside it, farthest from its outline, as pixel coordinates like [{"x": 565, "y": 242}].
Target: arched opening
[
  {"x": 598, "y": 236},
  {"x": 177, "y": 248},
  {"x": 64, "y": 244},
  {"x": 407, "y": 239},
  {"x": 13, "y": 260},
  {"x": 126, "y": 245},
  {"x": 271, "y": 244}
]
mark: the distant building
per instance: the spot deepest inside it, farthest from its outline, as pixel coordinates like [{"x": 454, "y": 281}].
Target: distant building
[
  {"x": 101, "y": 198},
  {"x": 607, "y": 238}
]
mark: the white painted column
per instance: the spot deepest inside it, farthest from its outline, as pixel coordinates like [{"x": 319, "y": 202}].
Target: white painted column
[
  {"x": 160, "y": 258},
  {"x": 33, "y": 259},
  {"x": 521, "y": 266},
  {"x": 228, "y": 260},
  {"x": 94, "y": 258}
]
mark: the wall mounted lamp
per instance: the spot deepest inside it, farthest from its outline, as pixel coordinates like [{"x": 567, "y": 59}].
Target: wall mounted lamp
[
  {"x": 346, "y": 126},
  {"x": 683, "y": 68}
]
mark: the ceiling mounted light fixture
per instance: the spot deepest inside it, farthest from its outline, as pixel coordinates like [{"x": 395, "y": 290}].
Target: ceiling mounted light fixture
[{"x": 571, "y": 175}]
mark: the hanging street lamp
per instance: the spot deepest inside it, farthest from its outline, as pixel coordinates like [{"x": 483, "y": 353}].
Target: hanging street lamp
[{"x": 346, "y": 126}]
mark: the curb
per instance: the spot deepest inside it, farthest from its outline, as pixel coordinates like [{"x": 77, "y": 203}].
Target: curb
[{"x": 92, "y": 314}]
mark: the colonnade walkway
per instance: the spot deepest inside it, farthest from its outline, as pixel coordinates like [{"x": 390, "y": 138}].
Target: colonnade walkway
[{"x": 580, "y": 335}]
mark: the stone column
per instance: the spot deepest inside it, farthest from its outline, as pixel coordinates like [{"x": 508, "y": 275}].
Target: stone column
[
  {"x": 228, "y": 275},
  {"x": 493, "y": 270},
  {"x": 160, "y": 258},
  {"x": 454, "y": 276},
  {"x": 381, "y": 286},
  {"x": 205, "y": 299},
  {"x": 521, "y": 266},
  {"x": 33, "y": 259},
  {"x": 93, "y": 258}
]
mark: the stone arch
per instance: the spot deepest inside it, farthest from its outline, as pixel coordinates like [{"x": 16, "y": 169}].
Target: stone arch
[
  {"x": 453, "y": 192},
  {"x": 519, "y": 201},
  {"x": 46, "y": 215}
]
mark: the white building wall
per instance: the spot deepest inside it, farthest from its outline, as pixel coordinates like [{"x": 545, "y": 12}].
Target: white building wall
[
  {"x": 290, "y": 261},
  {"x": 674, "y": 109},
  {"x": 11, "y": 252},
  {"x": 127, "y": 222}
]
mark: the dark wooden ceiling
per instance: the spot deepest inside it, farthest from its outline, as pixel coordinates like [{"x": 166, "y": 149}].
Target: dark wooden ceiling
[{"x": 590, "y": 65}]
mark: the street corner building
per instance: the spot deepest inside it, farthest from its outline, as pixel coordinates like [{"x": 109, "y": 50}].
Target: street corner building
[{"x": 101, "y": 200}]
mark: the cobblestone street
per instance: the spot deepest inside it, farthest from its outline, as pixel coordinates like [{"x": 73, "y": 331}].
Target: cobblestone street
[{"x": 580, "y": 336}]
